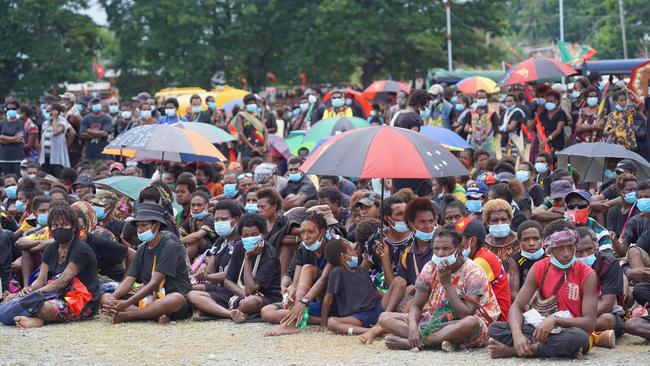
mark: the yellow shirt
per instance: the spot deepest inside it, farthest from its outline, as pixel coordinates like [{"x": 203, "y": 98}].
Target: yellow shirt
[{"x": 330, "y": 112}]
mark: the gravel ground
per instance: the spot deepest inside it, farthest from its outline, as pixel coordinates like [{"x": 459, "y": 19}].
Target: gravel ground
[{"x": 98, "y": 342}]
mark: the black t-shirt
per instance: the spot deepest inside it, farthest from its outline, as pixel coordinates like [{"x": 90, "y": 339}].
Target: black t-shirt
[
  {"x": 353, "y": 291},
  {"x": 116, "y": 226},
  {"x": 267, "y": 276},
  {"x": 83, "y": 257},
  {"x": 303, "y": 186},
  {"x": 616, "y": 219},
  {"x": 222, "y": 251},
  {"x": 303, "y": 256},
  {"x": 524, "y": 264},
  {"x": 412, "y": 261},
  {"x": 537, "y": 194},
  {"x": 12, "y": 152},
  {"x": 635, "y": 227},
  {"x": 6, "y": 243},
  {"x": 170, "y": 261},
  {"x": 95, "y": 146},
  {"x": 610, "y": 192},
  {"x": 408, "y": 120},
  {"x": 109, "y": 254},
  {"x": 550, "y": 124},
  {"x": 610, "y": 274}
]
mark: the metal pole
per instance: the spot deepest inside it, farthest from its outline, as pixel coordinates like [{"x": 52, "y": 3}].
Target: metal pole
[
  {"x": 449, "y": 52},
  {"x": 562, "y": 20},
  {"x": 621, "y": 12}
]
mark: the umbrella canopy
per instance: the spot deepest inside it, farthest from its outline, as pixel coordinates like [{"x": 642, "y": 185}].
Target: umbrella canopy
[
  {"x": 588, "y": 159},
  {"x": 279, "y": 145},
  {"x": 447, "y": 138},
  {"x": 383, "y": 152},
  {"x": 210, "y": 132},
  {"x": 332, "y": 126},
  {"x": 535, "y": 69},
  {"x": 229, "y": 98},
  {"x": 129, "y": 187},
  {"x": 164, "y": 142},
  {"x": 358, "y": 99},
  {"x": 378, "y": 89},
  {"x": 472, "y": 84}
]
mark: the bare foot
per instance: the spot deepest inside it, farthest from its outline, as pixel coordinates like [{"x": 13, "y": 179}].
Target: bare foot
[
  {"x": 164, "y": 319},
  {"x": 26, "y": 322},
  {"x": 282, "y": 330},
  {"x": 393, "y": 342},
  {"x": 238, "y": 316},
  {"x": 500, "y": 350},
  {"x": 448, "y": 346},
  {"x": 118, "y": 317},
  {"x": 369, "y": 336}
]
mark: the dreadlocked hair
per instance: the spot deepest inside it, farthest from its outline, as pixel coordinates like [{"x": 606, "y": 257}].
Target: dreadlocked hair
[{"x": 59, "y": 213}]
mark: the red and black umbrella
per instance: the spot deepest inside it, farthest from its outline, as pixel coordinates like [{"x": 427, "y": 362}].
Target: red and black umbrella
[
  {"x": 378, "y": 89},
  {"x": 383, "y": 152},
  {"x": 535, "y": 69}
]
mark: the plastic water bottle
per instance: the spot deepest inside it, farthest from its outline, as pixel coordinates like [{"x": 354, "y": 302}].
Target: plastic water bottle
[{"x": 302, "y": 323}]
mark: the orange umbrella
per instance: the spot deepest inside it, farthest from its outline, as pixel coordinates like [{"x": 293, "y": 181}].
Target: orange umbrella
[{"x": 472, "y": 84}]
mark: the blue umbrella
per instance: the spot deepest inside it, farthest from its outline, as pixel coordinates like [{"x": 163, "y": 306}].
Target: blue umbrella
[{"x": 445, "y": 137}]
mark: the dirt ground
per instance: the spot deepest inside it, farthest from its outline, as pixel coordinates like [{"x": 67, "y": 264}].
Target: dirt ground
[{"x": 98, "y": 342}]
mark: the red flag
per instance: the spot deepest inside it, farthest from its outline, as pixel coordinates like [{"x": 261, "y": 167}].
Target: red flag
[
  {"x": 271, "y": 75},
  {"x": 98, "y": 70}
]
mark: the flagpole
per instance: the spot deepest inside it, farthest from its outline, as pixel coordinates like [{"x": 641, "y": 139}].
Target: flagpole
[
  {"x": 621, "y": 12},
  {"x": 449, "y": 55},
  {"x": 562, "y": 30}
]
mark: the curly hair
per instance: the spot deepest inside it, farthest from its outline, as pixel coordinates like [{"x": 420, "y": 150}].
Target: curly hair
[
  {"x": 496, "y": 205},
  {"x": 624, "y": 178},
  {"x": 419, "y": 204},
  {"x": 333, "y": 252},
  {"x": 317, "y": 219},
  {"x": 272, "y": 196},
  {"x": 60, "y": 212},
  {"x": 252, "y": 219}
]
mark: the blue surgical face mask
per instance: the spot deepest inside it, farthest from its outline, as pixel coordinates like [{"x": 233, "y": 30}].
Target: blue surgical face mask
[
  {"x": 42, "y": 219},
  {"x": 541, "y": 167},
  {"x": 212, "y": 105},
  {"x": 619, "y": 108},
  {"x": 223, "y": 228},
  {"x": 11, "y": 114},
  {"x": 610, "y": 174},
  {"x": 373, "y": 113},
  {"x": 251, "y": 242},
  {"x": 20, "y": 206},
  {"x": 145, "y": 114},
  {"x": 500, "y": 230},
  {"x": 533, "y": 256},
  {"x": 466, "y": 252},
  {"x": 251, "y": 208},
  {"x": 510, "y": 107},
  {"x": 481, "y": 102},
  {"x": 200, "y": 215},
  {"x": 353, "y": 262},
  {"x": 304, "y": 106},
  {"x": 96, "y": 108},
  {"x": 630, "y": 197},
  {"x": 474, "y": 206},
  {"x": 423, "y": 236},
  {"x": 314, "y": 246},
  {"x": 400, "y": 227},
  {"x": 338, "y": 102},
  {"x": 78, "y": 108},
  {"x": 230, "y": 190},
  {"x": 561, "y": 266},
  {"x": 112, "y": 109},
  {"x": 643, "y": 204},
  {"x": 550, "y": 106},
  {"x": 459, "y": 107},
  {"x": 47, "y": 116},
  {"x": 251, "y": 108},
  {"x": 196, "y": 109},
  {"x": 444, "y": 261},
  {"x": 170, "y": 112},
  {"x": 425, "y": 113},
  {"x": 592, "y": 101},
  {"x": 522, "y": 175},
  {"x": 146, "y": 236},
  {"x": 100, "y": 212},
  {"x": 473, "y": 105},
  {"x": 295, "y": 177},
  {"x": 454, "y": 99},
  {"x": 588, "y": 260},
  {"x": 575, "y": 94},
  {"x": 11, "y": 192}
]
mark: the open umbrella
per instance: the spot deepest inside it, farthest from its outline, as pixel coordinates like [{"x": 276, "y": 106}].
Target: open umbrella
[
  {"x": 472, "y": 84},
  {"x": 535, "y": 69},
  {"x": 378, "y": 89},
  {"x": 333, "y": 126},
  {"x": 229, "y": 98},
  {"x": 358, "y": 99},
  {"x": 129, "y": 187},
  {"x": 210, "y": 132},
  {"x": 164, "y": 143},
  {"x": 588, "y": 159},
  {"x": 278, "y": 144},
  {"x": 447, "y": 138},
  {"x": 383, "y": 152}
]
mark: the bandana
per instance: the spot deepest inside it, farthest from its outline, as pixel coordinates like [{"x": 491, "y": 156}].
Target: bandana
[{"x": 554, "y": 240}]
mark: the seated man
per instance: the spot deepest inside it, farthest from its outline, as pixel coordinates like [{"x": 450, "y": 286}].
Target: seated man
[
  {"x": 637, "y": 269},
  {"x": 160, "y": 266},
  {"x": 553, "y": 209},
  {"x": 609, "y": 324},
  {"x": 577, "y": 212},
  {"x": 460, "y": 302},
  {"x": 299, "y": 188},
  {"x": 560, "y": 277},
  {"x": 253, "y": 277}
]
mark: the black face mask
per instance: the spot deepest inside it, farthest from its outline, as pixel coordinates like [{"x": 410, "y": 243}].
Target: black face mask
[{"x": 62, "y": 235}]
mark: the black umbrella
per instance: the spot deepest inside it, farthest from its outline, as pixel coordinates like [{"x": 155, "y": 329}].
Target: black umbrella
[{"x": 588, "y": 159}]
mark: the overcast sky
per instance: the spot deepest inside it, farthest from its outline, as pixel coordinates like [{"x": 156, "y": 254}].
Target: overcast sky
[{"x": 96, "y": 12}]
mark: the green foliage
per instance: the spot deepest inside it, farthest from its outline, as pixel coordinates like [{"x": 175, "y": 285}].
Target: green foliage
[{"x": 44, "y": 43}]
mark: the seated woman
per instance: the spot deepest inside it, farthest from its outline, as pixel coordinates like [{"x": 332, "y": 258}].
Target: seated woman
[
  {"x": 459, "y": 302},
  {"x": 310, "y": 274},
  {"x": 251, "y": 202},
  {"x": 501, "y": 240},
  {"x": 160, "y": 266},
  {"x": 197, "y": 230},
  {"x": 530, "y": 239},
  {"x": 560, "y": 284},
  {"x": 253, "y": 277},
  {"x": 269, "y": 203},
  {"x": 65, "y": 260},
  {"x": 358, "y": 303}
]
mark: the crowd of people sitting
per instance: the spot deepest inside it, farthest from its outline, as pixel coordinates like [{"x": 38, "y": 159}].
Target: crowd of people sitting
[{"x": 521, "y": 256}]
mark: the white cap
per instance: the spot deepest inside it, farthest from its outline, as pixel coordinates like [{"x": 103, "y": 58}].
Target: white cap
[
  {"x": 436, "y": 89},
  {"x": 559, "y": 87}
]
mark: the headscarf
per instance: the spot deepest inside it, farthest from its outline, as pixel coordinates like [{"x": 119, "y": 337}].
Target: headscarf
[
  {"x": 554, "y": 240},
  {"x": 90, "y": 220}
]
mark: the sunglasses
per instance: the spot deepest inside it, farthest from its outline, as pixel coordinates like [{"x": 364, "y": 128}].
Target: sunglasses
[
  {"x": 577, "y": 206},
  {"x": 244, "y": 175}
]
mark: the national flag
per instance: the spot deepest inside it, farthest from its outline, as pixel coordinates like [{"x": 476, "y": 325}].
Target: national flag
[{"x": 575, "y": 53}]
